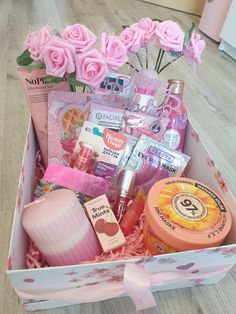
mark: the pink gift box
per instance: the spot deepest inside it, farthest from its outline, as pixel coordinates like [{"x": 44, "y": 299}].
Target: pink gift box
[{"x": 65, "y": 285}]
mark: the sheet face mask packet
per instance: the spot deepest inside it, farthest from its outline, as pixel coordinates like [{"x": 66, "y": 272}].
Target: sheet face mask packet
[
  {"x": 106, "y": 116},
  {"x": 153, "y": 161}
]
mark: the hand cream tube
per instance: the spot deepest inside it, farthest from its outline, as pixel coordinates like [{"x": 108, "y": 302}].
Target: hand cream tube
[{"x": 36, "y": 89}]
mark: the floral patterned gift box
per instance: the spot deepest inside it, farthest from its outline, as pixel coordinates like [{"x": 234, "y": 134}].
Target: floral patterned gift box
[
  {"x": 74, "y": 53},
  {"x": 45, "y": 288}
]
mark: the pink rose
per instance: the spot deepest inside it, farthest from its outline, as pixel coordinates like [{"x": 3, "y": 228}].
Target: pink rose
[
  {"x": 114, "y": 51},
  {"x": 58, "y": 56},
  {"x": 149, "y": 27},
  {"x": 132, "y": 38},
  {"x": 36, "y": 41},
  {"x": 170, "y": 36},
  {"x": 80, "y": 37},
  {"x": 195, "y": 48},
  {"x": 91, "y": 67}
]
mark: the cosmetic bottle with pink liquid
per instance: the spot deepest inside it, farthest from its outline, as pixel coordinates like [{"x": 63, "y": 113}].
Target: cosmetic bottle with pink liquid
[
  {"x": 173, "y": 107},
  {"x": 146, "y": 87}
]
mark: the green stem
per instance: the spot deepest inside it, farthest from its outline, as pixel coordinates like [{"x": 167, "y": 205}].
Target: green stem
[
  {"x": 84, "y": 88},
  {"x": 158, "y": 56},
  {"x": 161, "y": 57},
  {"x": 146, "y": 49},
  {"x": 131, "y": 65},
  {"x": 73, "y": 89},
  {"x": 169, "y": 63},
  {"x": 139, "y": 60}
]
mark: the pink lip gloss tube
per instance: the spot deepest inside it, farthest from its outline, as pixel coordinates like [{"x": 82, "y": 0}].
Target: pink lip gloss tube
[
  {"x": 124, "y": 195},
  {"x": 60, "y": 229}
]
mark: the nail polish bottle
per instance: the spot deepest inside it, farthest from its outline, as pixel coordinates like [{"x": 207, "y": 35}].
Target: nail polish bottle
[{"x": 125, "y": 194}]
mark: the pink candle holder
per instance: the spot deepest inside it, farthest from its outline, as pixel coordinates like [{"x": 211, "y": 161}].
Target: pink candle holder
[{"x": 59, "y": 227}]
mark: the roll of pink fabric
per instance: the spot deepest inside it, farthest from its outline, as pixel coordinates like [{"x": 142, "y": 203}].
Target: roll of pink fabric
[{"x": 59, "y": 227}]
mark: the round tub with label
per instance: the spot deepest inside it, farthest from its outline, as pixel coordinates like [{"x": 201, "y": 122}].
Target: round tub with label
[{"x": 183, "y": 214}]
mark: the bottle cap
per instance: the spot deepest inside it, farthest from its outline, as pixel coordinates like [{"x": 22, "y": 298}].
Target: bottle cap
[
  {"x": 127, "y": 183},
  {"x": 176, "y": 86}
]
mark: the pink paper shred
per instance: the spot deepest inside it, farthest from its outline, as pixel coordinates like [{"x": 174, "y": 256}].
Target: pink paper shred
[
  {"x": 134, "y": 247},
  {"x": 34, "y": 259}
]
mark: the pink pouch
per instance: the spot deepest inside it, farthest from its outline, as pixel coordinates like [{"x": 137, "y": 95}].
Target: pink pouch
[{"x": 76, "y": 180}]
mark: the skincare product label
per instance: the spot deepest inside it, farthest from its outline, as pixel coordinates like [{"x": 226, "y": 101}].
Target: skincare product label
[
  {"x": 108, "y": 117},
  {"x": 105, "y": 224},
  {"x": 138, "y": 123},
  {"x": 98, "y": 150},
  {"x": 37, "y": 88},
  {"x": 154, "y": 161}
]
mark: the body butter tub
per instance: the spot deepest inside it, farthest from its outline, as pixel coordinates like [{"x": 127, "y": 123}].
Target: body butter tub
[{"x": 183, "y": 214}]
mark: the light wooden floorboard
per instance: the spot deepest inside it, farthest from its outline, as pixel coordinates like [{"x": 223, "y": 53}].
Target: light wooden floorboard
[{"x": 210, "y": 97}]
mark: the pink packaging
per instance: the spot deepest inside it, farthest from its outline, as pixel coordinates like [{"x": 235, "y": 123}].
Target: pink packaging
[
  {"x": 36, "y": 89},
  {"x": 106, "y": 116},
  {"x": 76, "y": 180},
  {"x": 147, "y": 84},
  {"x": 104, "y": 223},
  {"x": 105, "y": 148},
  {"x": 66, "y": 115},
  {"x": 153, "y": 161},
  {"x": 138, "y": 123}
]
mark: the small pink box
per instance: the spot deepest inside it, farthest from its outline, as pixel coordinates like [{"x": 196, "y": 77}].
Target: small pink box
[{"x": 105, "y": 224}]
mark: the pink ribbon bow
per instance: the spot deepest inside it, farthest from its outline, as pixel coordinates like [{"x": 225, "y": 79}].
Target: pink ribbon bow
[{"x": 137, "y": 283}]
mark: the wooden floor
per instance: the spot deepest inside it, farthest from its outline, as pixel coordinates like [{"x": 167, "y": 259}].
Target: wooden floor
[{"x": 210, "y": 97}]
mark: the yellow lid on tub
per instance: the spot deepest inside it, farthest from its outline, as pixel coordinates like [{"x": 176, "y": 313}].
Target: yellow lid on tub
[{"x": 187, "y": 214}]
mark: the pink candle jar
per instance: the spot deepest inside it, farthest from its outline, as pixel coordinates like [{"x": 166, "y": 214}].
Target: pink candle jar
[{"x": 60, "y": 229}]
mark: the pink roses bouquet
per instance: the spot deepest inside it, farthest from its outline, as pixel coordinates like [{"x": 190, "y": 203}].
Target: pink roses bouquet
[
  {"x": 166, "y": 35},
  {"x": 73, "y": 53}
]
